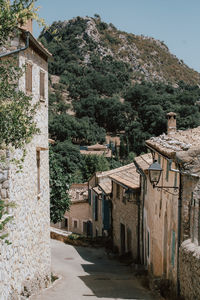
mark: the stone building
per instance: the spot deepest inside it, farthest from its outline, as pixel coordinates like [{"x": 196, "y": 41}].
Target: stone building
[
  {"x": 99, "y": 194},
  {"x": 76, "y": 220},
  {"x": 25, "y": 262},
  {"x": 96, "y": 149},
  {"x": 125, "y": 210},
  {"x": 171, "y": 215}
]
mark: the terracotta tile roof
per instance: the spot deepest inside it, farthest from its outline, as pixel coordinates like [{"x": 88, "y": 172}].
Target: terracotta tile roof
[
  {"x": 106, "y": 153},
  {"x": 177, "y": 141},
  {"x": 97, "y": 146},
  {"x": 128, "y": 177},
  {"x": 97, "y": 190},
  {"x": 144, "y": 161},
  {"x": 110, "y": 172},
  {"x": 106, "y": 186}
]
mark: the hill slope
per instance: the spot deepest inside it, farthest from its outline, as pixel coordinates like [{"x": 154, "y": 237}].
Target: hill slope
[{"x": 145, "y": 58}]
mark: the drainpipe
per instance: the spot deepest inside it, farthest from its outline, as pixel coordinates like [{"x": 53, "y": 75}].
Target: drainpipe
[
  {"x": 141, "y": 257},
  {"x": 17, "y": 50},
  {"x": 179, "y": 232},
  {"x": 138, "y": 233}
]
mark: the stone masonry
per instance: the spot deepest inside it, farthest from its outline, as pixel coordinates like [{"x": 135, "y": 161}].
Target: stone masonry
[{"x": 25, "y": 262}]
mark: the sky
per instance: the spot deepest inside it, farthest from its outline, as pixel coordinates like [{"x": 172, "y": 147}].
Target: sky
[{"x": 176, "y": 22}]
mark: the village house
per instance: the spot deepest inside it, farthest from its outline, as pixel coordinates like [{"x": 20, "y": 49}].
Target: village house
[
  {"x": 99, "y": 194},
  {"x": 125, "y": 210},
  {"x": 25, "y": 262},
  {"x": 77, "y": 219},
  {"x": 171, "y": 231}
]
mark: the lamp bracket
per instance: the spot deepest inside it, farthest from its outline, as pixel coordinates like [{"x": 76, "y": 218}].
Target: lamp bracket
[{"x": 159, "y": 188}]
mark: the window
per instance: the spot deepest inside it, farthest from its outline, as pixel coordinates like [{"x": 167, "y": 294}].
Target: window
[
  {"x": 159, "y": 159},
  {"x": 148, "y": 244},
  {"x": 96, "y": 208},
  {"x": 89, "y": 196},
  {"x": 84, "y": 227},
  {"x": 66, "y": 223},
  {"x": 38, "y": 173},
  {"x": 42, "y": 85},
  {"x": 173, "y": 248},
  {"x": 118, "y": 191},
  {"x": 28, "y": 78},
  {"x": 75, "y": 224}
]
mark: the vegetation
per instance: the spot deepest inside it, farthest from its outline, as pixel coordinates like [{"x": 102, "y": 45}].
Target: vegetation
[{"x": 122, "y": 83}]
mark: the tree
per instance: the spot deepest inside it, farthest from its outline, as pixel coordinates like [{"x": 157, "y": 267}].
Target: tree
[{"x": 59, "y": 183}]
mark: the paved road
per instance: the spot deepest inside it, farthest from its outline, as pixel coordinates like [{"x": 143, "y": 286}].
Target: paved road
[{"x": 87, "y": 274}]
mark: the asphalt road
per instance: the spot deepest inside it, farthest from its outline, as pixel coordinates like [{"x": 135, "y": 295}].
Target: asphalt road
[{"x": 87, "y": 273}]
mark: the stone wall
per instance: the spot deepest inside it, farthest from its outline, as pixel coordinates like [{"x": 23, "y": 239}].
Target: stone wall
[
  {"x": 190, "y": 270},
  {"x": 25, "y": 262}
]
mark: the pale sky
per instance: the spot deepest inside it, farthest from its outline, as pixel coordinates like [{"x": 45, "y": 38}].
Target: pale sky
[{"x": 176, "y": 22}]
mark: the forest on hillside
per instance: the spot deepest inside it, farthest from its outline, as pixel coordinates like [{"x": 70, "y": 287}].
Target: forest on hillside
[{"x": 105, "y": 98}]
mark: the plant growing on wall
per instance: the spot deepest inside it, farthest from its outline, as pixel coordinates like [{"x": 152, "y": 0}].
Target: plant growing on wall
[
  {"x": 59, "y": 180},
  {"x": 17, "y": 125}
]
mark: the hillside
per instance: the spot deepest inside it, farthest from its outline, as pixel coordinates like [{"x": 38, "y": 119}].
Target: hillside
[
  {"x": 145, "y": 58},
  {"x": 107, "y": 81}
]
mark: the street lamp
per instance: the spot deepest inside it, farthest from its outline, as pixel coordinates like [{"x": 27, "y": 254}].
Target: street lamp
[{"x": 155, "y": 171}]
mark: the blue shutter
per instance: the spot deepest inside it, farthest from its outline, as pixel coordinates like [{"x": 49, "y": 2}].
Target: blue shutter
[
  {"x": 106, "y": 220},
  {"x": 103, "y": 199},
  {"x": 89, "y": 196},
  {"x": 93, "y": 205},
  {"x": 173, "y": 248}
]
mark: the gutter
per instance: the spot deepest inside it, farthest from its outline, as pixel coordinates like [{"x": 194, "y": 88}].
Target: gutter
[
  {"x": 179, "y": 233},
  {"x": 18, "y": 50}
]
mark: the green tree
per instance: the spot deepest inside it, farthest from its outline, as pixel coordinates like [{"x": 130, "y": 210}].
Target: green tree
[{"x": 59, "y": 183}]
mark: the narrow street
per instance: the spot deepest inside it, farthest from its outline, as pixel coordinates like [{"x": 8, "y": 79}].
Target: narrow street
[{"x": 87, "y": 273}]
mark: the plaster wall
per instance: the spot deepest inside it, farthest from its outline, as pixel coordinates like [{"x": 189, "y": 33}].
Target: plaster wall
[
  {"x": 125, "y": 213},
  {"x": 79, "y": 212},
  {"x": 161, "y": 226}
]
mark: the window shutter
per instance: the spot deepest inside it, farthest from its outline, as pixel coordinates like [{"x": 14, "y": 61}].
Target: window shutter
[
  {"x": 42, "y": 89},
  {"x": 106, "y": 221},
  {"x": 28, "y": 77},
  {"x": 173, "y": 248}
]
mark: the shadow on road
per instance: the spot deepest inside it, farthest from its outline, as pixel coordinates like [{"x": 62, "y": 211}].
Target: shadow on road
[{"x": 108, "y": 278}]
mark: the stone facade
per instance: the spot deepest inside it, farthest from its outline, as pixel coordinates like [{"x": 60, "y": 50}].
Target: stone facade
[
  {"x": 25, "y": 262},
  {"x": 190, "y": 270}
]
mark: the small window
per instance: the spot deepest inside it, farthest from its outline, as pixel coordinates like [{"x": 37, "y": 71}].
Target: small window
[
  {"x": 75, "y": 224},
  {"x": 167, "y": 171},
  {"x": 84, "y": 227},
  {"x": 148, "y": 244},
  {"x": 66, "y": 223},
  {"x": 173, "y": 248},
  {"x": 118, "y": 191},
  {"x": 28, "y": 77},
  {"x": 42, "y": 85},
  {"x": 159, "y": 159}
]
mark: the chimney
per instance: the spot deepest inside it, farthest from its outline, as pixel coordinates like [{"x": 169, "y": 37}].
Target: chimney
[
  {"x": 28, "y": 26},
  {"x": 171, "y": 122}
]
